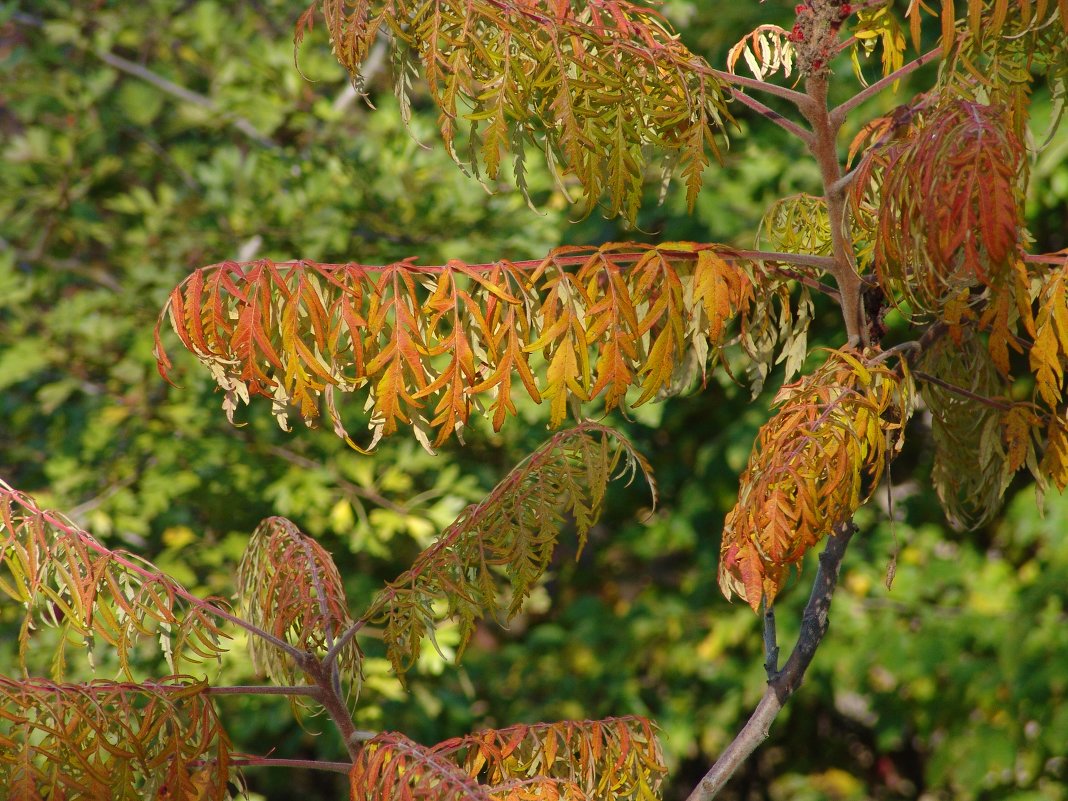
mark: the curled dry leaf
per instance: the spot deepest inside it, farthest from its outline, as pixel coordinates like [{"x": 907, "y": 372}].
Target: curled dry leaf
[{"x": 766, "y": 50}]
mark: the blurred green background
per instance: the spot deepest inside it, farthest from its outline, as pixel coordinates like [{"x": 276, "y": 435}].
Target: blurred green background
[{"x": 952, "y": 685}]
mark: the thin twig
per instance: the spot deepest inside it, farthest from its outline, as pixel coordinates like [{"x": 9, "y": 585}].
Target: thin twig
[
  {"x": 838, "y": 114},
  {"x": 805, "y": 259},
  {"x": 964, "y": 393},
  {"x": 101, "y": 497},
  {"x": 797, "y": 98},
  {"x": 277, "y": 762},
  {"x": 1060, "y": 257},
  {"x": 938, "y": 330},
  {"x": 342, "y": 641},
  {"x": 185, "y": 95},
  {"x": 811, "y": 283},
  {"x": 164, "y": 85},
  {"x": 725, "y": 252},
  {"x": 912, "y": 346},
  {"x": 22, "y": 18},
  {"x": 933, "y": 333},
  {"x": 770, "y": 114},
  {"x": 813, "y": 628},
  {"x": 40, "y": 260},
  {"x": 310, "y": 690}
]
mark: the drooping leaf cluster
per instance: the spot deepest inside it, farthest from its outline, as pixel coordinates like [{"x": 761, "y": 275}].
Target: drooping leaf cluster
[
  {"x": 970, "y": 471},
  {"x": 941, "y": 192},
  {"x": 123, "y": 742},
  {"x": 774, "y": 326},
  {"x": 290, "y": 587},
  {"x": 937, "y": 201},
  {"x": 982, "y": 436},
  {"x": 814, "y": 463},
  {"x": 996, "y": 51},
  {"x": 430, "y": 345},
  {"x": 617, "y": 758},
  {"x": 513, "y": 531},
  {"x": 949, "y": 212},
  {"x": 938, "y": 193},
  {"x": 592, "y": 84},
  {"x": 65, "y": 578}
]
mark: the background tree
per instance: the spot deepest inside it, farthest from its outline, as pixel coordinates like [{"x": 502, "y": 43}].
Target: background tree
[{"x": 681, "y": 258}]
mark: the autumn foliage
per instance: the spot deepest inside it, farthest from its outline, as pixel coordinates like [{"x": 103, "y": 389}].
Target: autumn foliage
[
  {"x": 428, "y": 346},
  {"x": 814, "y": 463},
  {"x": 591, "y": 85},
  {"x": 577, "y": 761},
  {"x": 922, "y": 219}
]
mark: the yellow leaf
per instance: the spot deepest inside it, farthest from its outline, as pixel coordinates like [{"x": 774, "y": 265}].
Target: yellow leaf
[
  {"x": 1055, "y": 459},
  {"x": 1016, "y": 426}
]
